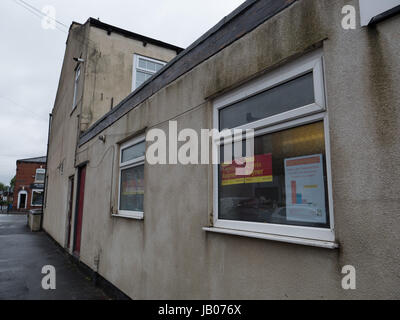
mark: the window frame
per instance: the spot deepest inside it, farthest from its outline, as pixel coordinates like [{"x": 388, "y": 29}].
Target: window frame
[
  {"x": 139, "y": 215},
  {"x": 136, "y": 68},
  {"x": 37, "y": 191},
  {"x": 76, "y": 83},
  {"x": 42, "y": 171},
  {"x": 301, "y": 116},
  {"x": 310, "y": 63}
]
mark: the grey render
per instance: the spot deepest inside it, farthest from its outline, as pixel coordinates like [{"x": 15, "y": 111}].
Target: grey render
[{"x": 168, "y": 255}]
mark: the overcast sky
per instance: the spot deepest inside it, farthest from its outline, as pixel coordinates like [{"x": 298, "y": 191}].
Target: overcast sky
[{"x": 31, "y": 57}]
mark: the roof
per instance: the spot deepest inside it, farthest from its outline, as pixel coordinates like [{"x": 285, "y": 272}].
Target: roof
[
  {"x": 34, "y": 160},
  {"x": 110, "y": 28},
  {"x": 240, "y": 22}
]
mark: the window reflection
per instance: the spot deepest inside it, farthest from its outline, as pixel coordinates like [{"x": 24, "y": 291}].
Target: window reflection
[
  {"x": 288, "y": 185},
  {"x": 285, "y": 97},
  {"x": 132, "y": 189}
]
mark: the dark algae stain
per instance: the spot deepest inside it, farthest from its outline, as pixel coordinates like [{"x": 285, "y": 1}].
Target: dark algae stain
[{"x": 380, "y": 88}]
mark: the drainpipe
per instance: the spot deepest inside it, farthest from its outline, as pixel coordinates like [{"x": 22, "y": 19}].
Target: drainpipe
[{"x": 45, "y": 179}]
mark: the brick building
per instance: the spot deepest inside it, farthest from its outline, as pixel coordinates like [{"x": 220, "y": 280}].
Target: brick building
[{"x": 29, "y": 184}]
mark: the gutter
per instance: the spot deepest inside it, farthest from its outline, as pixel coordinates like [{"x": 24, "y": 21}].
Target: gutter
[{"x": 383, "y": 16}]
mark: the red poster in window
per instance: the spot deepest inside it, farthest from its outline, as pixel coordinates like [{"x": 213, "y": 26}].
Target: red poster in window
[{"x": 262, "y": 171}]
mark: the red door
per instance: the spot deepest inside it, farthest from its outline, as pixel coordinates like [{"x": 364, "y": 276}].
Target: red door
[{"x": 79, "y": 211}]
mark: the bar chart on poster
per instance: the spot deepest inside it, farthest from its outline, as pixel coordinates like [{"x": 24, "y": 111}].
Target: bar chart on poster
[{"x": 305, "y": 189}]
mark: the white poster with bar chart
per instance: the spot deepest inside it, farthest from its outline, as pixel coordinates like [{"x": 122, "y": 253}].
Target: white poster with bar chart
[{"x": 305, "y": 189}]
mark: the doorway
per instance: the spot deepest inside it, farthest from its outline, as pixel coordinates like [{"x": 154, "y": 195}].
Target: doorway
[
  {"x": 79, "y": 210},
  {"x": 22, "y": 200}
]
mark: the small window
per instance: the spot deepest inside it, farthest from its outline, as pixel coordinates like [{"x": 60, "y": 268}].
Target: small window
[
  {"x": 288, "y": 194},
  {"x": 143, "y": 69},
  {"x": 131, "y": 185},
  {"x": 37, "y": 198},
  {"x": 76, "y": 83},
  {"x": 40, "y": 175}
]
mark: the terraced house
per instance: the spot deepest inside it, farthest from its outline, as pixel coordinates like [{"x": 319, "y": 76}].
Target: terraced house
[
  {"x": 317, "y": 81},
  {"x": 29, "y": 184}
]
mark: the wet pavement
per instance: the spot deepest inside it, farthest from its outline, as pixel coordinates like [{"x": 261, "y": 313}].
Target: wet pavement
[{"x": 22, "y": 257}]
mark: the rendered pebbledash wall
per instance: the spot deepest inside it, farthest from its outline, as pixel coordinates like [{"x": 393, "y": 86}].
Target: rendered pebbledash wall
[{"x": 106, "y": 76}]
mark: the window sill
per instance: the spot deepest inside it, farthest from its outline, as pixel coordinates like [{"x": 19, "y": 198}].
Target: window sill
[
  {"x": 133, "y": 216},
  {"x": 273, "y": 237}
]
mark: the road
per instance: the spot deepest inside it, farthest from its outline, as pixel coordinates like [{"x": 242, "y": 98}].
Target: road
[{"x": 22, "y": 257}]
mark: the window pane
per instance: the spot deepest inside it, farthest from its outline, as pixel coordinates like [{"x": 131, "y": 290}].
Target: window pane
[
  {"x": 132, "y": 189},
  {"x": 288, "y": 96},
  {"x": 140, "y": 76},
  {"x": 151, "y": 66},
  {"x": 39, "y": 177},
  {"x": 288, "y": 185},
  {"x": 37, "y": 198},
  {"x": 134, "y": 152},
  {"x": 159, "y": 67},
  {"x": 142, "y": 63}
]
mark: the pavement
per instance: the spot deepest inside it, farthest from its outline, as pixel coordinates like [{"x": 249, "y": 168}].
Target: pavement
[{"x": 23, "y": 254}]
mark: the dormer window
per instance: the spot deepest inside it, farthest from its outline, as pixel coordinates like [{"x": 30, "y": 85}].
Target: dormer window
[{"x": 143, "y": 69}]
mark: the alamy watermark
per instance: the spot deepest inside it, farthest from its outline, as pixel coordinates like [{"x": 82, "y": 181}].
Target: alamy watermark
[
  {"x": 49, "y": 280},
  {"x": 349, "y": 21},
  {"x": 234, "y": 144},
  {"x": 349, "y": 281},
  {"x": 49, "y": 20}
]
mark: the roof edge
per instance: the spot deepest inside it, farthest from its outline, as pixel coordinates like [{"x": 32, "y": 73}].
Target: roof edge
[
  {"x": 129, "y": 34},
  {"x": 247, "y": 17},
  {"x": 34, "y": 160}
]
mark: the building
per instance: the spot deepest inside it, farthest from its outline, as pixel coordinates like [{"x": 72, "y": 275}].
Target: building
[
  {"x": 29, "y": 184},
  {"x": 102, "y": 65},
  {"x": 323, "y": 101}
]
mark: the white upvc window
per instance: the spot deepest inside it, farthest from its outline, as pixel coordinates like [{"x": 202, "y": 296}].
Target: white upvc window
[
  {"x": 40, "y": 175},
  {"x": 143, "y": 69},
  {"x": 289, "y": 195},
  {"x": 76, "y": 84},
  {"x": 37, "y": 198},
  {"x": 131, "y": 178}
]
